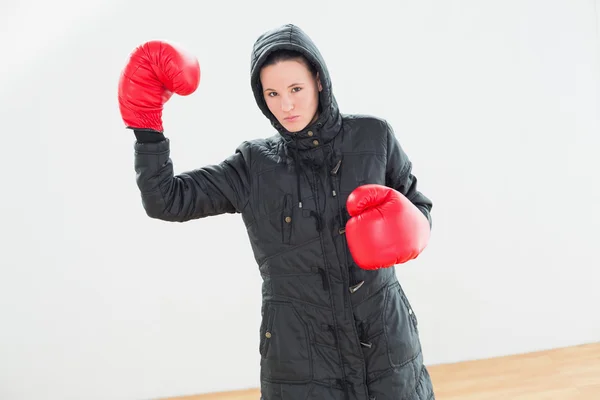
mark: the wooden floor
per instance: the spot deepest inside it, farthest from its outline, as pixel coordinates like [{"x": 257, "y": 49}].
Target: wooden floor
[{"x": 571, "y": 373}]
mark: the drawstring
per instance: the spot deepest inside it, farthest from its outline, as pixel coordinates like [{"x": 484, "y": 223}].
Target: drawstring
[
  {"x": 298, "y": 166},
  {"x": 333, "y": 172}
]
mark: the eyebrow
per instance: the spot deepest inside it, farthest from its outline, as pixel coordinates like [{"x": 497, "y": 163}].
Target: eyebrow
[{"x": 293, "y": 84}]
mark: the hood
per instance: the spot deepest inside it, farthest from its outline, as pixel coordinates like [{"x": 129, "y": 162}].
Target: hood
[{"x": 291, "y": 37}]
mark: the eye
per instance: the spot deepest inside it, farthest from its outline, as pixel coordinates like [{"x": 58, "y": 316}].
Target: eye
[
  {"x": 272, "y": 94},
  {"x": 296, "y": 89}
]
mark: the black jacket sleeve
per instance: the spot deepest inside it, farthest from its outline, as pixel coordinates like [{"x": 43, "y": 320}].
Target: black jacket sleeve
[
  {"x": 400, "y": 177},
  {"x": 203, "y": 192}
]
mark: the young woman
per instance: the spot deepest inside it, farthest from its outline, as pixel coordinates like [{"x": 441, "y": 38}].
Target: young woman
[{"x": 330, "y": 206}]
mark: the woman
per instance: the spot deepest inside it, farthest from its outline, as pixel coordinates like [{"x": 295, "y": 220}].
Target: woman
[{"x": 336, "y": 323}]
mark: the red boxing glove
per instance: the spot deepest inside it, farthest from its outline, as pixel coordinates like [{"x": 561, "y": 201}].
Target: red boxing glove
[
  {"x": 155, "y": 71},
  {"x": 385, "y": 228}
]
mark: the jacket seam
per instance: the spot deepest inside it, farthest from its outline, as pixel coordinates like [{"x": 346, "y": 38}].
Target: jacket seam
[
  {"x": 299, "y": 301},
  {"x": 268, "y": 258}
]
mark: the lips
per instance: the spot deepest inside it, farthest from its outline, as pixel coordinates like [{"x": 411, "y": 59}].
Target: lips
[{"x": 292, "y": 118}]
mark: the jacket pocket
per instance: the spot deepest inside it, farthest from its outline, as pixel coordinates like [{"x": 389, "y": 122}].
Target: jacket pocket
[
  {"x": 286, "y": 219},
  {"x": 285, "y": 346},
  {"x": 265, "y": 330},
  {"x": 400, "y": 327},
  {"x": 408, "y": 307}
]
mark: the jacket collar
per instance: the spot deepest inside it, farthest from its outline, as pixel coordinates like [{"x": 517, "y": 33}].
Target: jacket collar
[{"x": 315, "y": 135}]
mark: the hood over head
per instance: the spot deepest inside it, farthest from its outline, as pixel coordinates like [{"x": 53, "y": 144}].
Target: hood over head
[{"x": 291, "y": 37}]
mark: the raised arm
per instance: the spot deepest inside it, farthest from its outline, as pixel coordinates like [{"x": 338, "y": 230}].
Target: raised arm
[
  {"x": 211, "y": 190},
  {"x": 154, "y": 72}
]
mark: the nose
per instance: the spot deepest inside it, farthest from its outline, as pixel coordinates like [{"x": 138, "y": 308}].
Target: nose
[{"x": 286, "y": 104}]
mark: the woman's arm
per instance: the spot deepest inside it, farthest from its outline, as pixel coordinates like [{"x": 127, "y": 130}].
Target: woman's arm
[
  {"x": 400, "y": 177},
  {"x": 211, "y": 190}
]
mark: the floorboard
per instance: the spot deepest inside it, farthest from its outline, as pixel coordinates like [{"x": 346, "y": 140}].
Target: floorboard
[{"x": 571, "y": 373}]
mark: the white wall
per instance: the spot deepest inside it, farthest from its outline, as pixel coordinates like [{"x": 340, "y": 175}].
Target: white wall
[{"x": 496, "y": 102}]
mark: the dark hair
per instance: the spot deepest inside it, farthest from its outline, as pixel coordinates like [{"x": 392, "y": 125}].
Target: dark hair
[{"x": 286, "y": 55}]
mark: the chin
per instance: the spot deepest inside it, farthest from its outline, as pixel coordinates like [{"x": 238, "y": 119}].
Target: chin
[{"x": 294, "y": 127}]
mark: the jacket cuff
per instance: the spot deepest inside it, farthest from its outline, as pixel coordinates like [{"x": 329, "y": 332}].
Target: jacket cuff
[{"x": 149, "y": 136}]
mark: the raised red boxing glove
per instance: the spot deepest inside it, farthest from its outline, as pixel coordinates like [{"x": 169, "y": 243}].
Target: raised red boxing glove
[
  {"x": 385, "y": 228},
  {"x": 155, "y": 71}
]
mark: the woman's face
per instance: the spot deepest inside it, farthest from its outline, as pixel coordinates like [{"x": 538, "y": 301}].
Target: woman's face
[{"x": 291, "y": 93}]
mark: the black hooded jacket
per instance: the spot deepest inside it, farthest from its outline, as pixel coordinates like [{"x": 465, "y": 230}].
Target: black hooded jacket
[{"x": 329, "y": 330}]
